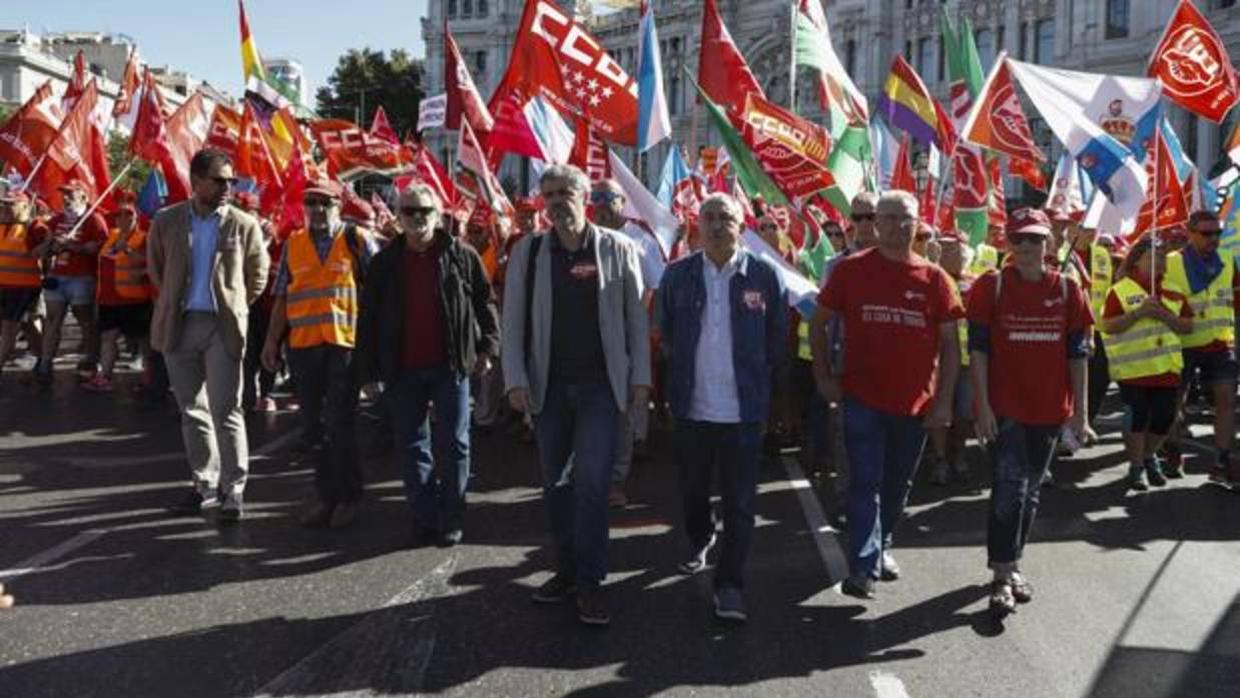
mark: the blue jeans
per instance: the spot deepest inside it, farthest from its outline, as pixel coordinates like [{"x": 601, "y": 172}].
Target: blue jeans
[
  {"x": 1018, "y": 459},
  {"x": 576, "y": 433},
  {"x": 883, "y": 451},
  {"x": 438, "y": 502},
  {"x": 736, "y": 449}
]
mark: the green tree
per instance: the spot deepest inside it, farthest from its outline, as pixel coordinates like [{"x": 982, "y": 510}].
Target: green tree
[
  {"x": 366, "y": 79},
  {"x": 118, "y": 157},
  {"x": 6, "y": 110}
]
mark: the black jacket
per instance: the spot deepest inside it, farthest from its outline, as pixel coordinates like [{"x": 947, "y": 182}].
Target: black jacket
[{"x": 470, "y": 318}]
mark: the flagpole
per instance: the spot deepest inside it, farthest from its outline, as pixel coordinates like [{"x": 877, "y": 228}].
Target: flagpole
[
  {"x": 33, "y": 172},
  {"x": 792, "y": 57},
  {"x": 99, "y": 200}
]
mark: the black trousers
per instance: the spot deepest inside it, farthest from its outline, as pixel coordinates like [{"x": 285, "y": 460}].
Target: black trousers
[
  {"x": 256, "y": 381},
  {"x": 1099, "y": 377},
  {"x": 328, "y": 396}
]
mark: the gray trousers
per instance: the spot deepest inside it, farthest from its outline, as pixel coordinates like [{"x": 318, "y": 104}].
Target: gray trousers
[{"x": 206, "y": 381}]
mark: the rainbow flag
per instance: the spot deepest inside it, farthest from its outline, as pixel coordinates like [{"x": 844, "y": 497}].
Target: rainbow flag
[{"x": 907, "y": 104}]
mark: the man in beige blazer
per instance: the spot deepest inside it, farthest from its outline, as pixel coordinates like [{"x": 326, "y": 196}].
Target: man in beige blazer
[{"x": 209, "y": 263}]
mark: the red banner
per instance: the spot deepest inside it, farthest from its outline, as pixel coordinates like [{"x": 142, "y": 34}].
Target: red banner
[
  {"x": 1000, "y": 123},
  {"x": 1192, "y": 63},
  {"x": 225, "y": 130},
  {"x": 349, "y": 149},
  {"x": 794, "y": 174},
  {"x": 1164, "y": 205},
  {"x": 28, "y": 133}
]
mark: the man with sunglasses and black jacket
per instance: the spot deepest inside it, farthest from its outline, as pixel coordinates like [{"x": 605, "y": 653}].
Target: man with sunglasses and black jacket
[{"x": 428, "y": 320}]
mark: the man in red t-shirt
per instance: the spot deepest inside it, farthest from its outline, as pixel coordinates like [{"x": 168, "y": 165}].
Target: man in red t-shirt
[
  {"x": 1028, "y": 346},
  {"x": 70, "y": 285},
  {"x": 901, "y": 343}
]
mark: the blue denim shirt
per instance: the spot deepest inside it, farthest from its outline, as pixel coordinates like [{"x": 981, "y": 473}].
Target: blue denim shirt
[
  {"x": 204, "y": 236},
  {"x": 759, "y": 314}
]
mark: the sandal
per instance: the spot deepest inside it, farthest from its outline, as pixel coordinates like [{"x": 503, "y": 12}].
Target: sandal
[
  {"x": 1022, "y": 590},
  {"x": 1002, "y": 602}
]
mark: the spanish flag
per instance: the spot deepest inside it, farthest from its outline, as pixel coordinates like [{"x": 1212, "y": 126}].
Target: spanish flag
[{"x": 908, "y": 105}]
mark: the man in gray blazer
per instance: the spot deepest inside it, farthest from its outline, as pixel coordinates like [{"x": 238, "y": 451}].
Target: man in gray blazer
[
  {"x": 209, "y": 262},
  {"x": 576, "y": 353}
]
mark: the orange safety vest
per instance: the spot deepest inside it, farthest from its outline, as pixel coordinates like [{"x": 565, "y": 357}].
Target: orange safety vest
[
  {"x": 17, "y": 268},
  {"x": 132, "y": 282},
  {"x": 322, "y": 296}
]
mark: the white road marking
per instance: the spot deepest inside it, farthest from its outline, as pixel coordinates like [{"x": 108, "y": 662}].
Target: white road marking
[
  {"x": 825, "y": 538},
  {"x": 41, "y": 560},
  {"x": 887, "y": 685}
]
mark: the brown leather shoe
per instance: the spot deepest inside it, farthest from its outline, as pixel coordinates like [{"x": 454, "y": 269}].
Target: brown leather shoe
[
  {"x": 345, "y": 514},
  {"x": 316, "y": 515}
]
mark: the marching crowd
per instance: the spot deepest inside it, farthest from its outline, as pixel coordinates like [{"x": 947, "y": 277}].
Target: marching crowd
[{"x": 584, "y": 333}]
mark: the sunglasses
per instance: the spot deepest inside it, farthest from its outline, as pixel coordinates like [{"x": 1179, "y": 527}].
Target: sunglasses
[
  {"x": 416, "y": 211},
  {"x": 223, "y": 181},
  {"x": 316, "y": 202},
  {"x": 1209, "y": 233},
  {"x": 858, "y": 217},
  {"x": 603, "y": 197},
  {"x": 1026, "y": 238}
]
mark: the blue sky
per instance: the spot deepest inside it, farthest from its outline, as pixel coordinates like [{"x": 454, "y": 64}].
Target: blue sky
[{"x": 202, "y": 36}]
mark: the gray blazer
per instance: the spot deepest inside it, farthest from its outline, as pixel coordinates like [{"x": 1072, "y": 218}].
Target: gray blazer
[{"x": 623, "y": 321}]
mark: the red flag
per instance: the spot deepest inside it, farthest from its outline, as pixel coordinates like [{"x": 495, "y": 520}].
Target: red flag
[
  {"x": 475, "y": 177},
  {"x": 928, "y": 201},
  {"x": 1029, "y": 171},
  {"x": 287, "y": 200},
  {"x": 463, "y": 96},
  {"x": 947, "y": 211},
  {"x": 187, "y": 130},
  {"x": 590, "y": 153},
  {"x": 511, "y": 132},
  {"x": 130, "y": 82},
  {"x": 149, "y": 140},
  {"x": 902, "y": 176},
  {"x": 78, "y": 151},
  {"x": 254, "y": 160},
  {"x": 225, "y": 130},
  {"x": 1192, "y": 63},
  {"x": 29, "y": 132},
  {"x": 997, "y": 214},
  {"x": 556, "y": 58},
  {"x": 77, "y": 83},
  {"x": 722, "y": 71},
  {"x": 380, "y": 127},
  {"x": 383, "y": 214},
  {"x": 969, "y": 180},
  {"x": 432, "y": 173},
  {"x": 1164, "y": 205},
  {"x": 999, "y": 123},
  {"x": 350, "y": 150},
  {"x": 790, "y": 169}
]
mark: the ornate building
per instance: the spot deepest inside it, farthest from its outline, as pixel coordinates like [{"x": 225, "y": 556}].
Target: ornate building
[{"x": 1108, "y": 36}]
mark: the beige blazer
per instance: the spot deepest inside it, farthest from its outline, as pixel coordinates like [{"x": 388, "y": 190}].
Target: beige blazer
[{"x": 238, "y": 276}]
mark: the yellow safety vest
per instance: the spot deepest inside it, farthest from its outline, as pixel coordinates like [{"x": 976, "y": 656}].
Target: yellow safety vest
[
  {"x": 1213, "y": 314},
  {"x": 986, "y": 258},
  {"x": 1148, "y": 347},
  {"x": 322, "y": 296},
  {"x": 17, "y": 268},
  {"x": 804, "y": 351},
  {"x": 1101, "y": 273},
  {"x": 131, "y": 280},
  {"x": 962, "y": 326}
]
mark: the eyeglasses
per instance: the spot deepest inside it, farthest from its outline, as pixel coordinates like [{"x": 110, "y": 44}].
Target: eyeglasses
[
  {"x": 1026, "y": 238},
  {"x": 416, "y": 211},
  {"x": 858, "y": 217},
  {"x": 223, "y": 181},
  {"x": 317, "y": 202},
  {"x": 603, "y": 197}
]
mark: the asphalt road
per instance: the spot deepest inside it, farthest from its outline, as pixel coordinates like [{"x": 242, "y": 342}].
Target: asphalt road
[{"x": 1137, "y": 595}]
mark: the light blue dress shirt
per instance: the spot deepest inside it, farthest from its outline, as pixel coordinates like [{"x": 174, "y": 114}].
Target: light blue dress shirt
[
  {"x": 204, "y": 236},
  {"x": 715, "y": 398}
]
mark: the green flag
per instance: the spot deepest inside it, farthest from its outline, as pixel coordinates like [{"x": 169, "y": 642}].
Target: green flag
[
  {"x": 814, "y": 258},
  {"x": 811, "y": 45},
  {"x": 847, "y": 163},
  {"x": 964, "y": 69},
  {"x": 748, "y": 172}
]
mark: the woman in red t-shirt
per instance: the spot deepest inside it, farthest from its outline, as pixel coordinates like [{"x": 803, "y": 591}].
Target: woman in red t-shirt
[
  {"x": 1148, "y": 386},
  {"x": 1028, "y": 347}
]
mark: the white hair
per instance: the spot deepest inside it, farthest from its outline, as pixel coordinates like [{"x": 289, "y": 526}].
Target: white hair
[
  {"x": 727, "y": 201},
  {"x": 425, "y": 190},
  {"x": 577, "y": 180},
  {"x": 901, "y": 197}
]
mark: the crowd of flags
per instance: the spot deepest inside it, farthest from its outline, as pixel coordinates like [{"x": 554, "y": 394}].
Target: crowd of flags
[{"x": 563, "y": 98}]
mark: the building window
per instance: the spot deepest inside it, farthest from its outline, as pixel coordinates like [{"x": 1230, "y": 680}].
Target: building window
[
  {"x": 451, "y": 9},
  {"x": 908, "y": 51},
  {"x": 467, "y": 8},
  {"x": 1044, "y": 41},
  {"x": 480, "y": 62},
  {"x": 1221, "y": 4},
  {"x": 1000, "y": 35},
  {"x": 925, "y": 60},
  {"x": 1024, "y": 41},
  {"x": 1117, "y": 19},
  {"x": 850, "y": 57},
  {"x": 482, "y": 8},
  {"x": 985, "y": 40},
  {"x": 673, "y": 96},
  {"x": 942, "y": 59}
]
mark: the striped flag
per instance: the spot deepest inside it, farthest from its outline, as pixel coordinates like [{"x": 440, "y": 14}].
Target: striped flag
[
  {"x": 653, "y": 122},
  {"x": 907, "y": 104}
]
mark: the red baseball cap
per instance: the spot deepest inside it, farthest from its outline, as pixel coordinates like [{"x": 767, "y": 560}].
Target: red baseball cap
[
  {"x": 73, "y": 185},
  {"x": 324, "y": 186},
  {"x": 951, "y": 235},
  {"x": 1027, "y": 220}
]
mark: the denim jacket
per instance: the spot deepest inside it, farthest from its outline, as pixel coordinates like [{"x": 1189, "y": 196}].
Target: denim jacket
[{"x": 759, "y": 330}]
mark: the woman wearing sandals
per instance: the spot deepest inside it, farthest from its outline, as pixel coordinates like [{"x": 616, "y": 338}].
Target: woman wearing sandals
[{"x": 1028, "y": 330}]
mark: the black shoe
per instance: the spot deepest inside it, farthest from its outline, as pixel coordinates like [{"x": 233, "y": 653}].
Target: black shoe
[
  {"x": 421, "y": 536},
  {"x": 450, "y": 537},
  {"x": 555, "y": 590},
  {"x": 231, "y": 510},
  {"x": 889, "y": 569},
  {"x": 590, "y": 607},
  {"x": 191, "y": 503},
  {"x": 858, "y": 587},
  {"x": 1153, "y": 471}
]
